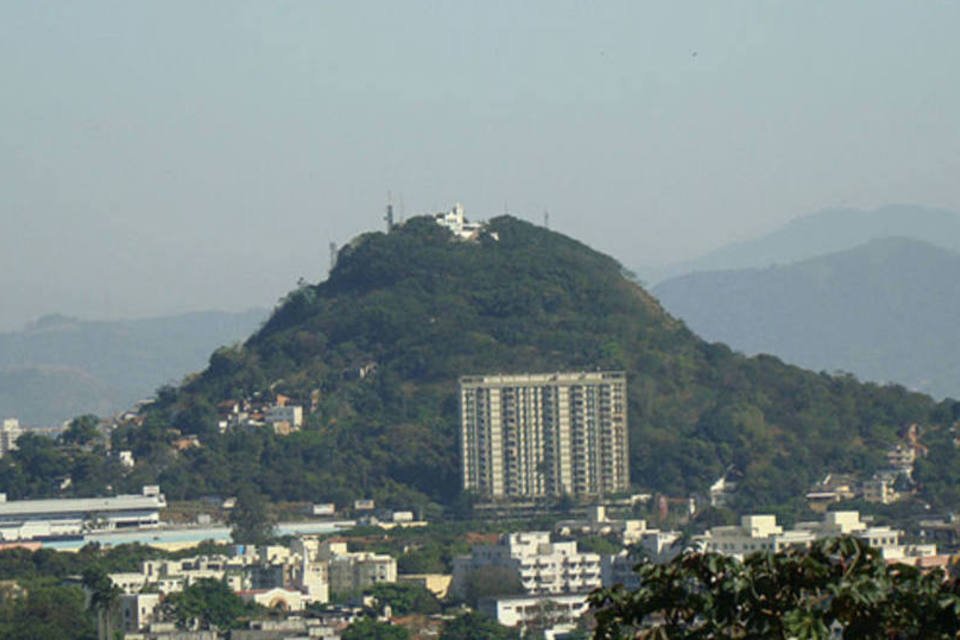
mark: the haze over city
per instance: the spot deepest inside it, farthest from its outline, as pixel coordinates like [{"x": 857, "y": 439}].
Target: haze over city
[{"x": 180, "y": 155}]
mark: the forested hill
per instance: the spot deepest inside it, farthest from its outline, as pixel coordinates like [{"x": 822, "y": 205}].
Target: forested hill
[{"x": 424, "y": 309}]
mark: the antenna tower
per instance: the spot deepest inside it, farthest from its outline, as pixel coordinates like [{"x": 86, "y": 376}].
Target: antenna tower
[
  {"x": 389, "y": 216},
  {"x": 333, "y": 255},
  {"x": 546, "y": 219}
]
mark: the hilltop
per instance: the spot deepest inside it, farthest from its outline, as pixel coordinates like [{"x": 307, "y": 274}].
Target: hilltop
[
  {"x": 885, "y": 311},
  {"x": 415, "y": 309}
]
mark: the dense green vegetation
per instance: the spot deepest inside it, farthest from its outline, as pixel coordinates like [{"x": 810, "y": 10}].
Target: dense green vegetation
[
  {"x": 40, "y": 609},
  {"x": 798, "y": 593},
  {"x": 210, "y": 604},
  {"x": 476, "y": 626},
  {"x": 424, "y": 310}
]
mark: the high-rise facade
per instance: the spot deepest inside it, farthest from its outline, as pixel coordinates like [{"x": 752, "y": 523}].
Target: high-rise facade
[{"x": 539, "y": 435}]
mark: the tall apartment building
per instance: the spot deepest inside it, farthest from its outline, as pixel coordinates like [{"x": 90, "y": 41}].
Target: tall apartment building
[{"x": 536, "y": 435}]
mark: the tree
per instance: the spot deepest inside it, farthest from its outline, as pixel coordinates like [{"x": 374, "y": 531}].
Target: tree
[
  {"x": 46, "y": 611},
  {"x": 404, "y": 598},
  {"x": 251, "y": 520},
  {"x": 476, "y": 626},
  {"x": 104, "y": 599},
  {"x": 799, "y": 593},
  {"x": 82, "y": 430},
  {"x": 208, "y": 604},
  {"x": 491, "y": 580},
  {"x": 370, "y": 629}
]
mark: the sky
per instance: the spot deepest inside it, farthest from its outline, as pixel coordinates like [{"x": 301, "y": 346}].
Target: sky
[{"x": 160, "y": 157}]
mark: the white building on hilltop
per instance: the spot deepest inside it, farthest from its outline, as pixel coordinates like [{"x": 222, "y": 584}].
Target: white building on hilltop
[
  {"x": 457, "y": 223},
  {"x": 543, "y": 567}
]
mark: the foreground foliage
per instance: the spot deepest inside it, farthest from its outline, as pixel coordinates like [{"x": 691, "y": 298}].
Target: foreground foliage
[{"x": 836, "y": 585}]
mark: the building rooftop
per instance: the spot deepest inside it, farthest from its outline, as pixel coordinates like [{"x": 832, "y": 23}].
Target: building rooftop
[{"x": 19, "y": 508}]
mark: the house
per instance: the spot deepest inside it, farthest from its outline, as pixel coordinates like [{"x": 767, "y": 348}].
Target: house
[{"x": 880, "y": 490}]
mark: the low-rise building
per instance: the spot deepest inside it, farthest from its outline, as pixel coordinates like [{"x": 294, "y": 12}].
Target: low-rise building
[
  {"x": 879, "y": 490},
  {"x": 138, "y": 610},
  {"x": 761, "y": 533},
  {"x": 543, "y": 567},
  {"x": 351, "y": 571},
  {"x": 557, "y": 613},
  {"x": 754, "y": 533}
]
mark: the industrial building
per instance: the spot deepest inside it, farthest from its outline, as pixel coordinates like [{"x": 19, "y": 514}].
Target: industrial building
[
  {"x": 541, "y": 435},
  {"x": 38, "y": 519}
]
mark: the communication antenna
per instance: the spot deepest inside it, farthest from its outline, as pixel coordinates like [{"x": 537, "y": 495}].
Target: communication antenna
[
  {"x": 333, "y": 255},
  {"x": 389, "y": 216},
  {"x": 546, "y": 219}
]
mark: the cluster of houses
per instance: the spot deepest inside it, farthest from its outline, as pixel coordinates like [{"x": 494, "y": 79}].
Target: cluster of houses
[
  {"x": 283, "y": 578},
  {"x": 887, "y": 485},
  {"x": 280, "y": 415}
]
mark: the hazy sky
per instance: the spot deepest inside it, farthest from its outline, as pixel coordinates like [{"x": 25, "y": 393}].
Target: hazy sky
[{"x": 165, "y": 156}]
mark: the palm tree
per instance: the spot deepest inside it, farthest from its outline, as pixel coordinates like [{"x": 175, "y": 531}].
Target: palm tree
[{"x": 104, "y": 600}]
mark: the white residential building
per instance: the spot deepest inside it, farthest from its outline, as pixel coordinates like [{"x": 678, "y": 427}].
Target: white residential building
[
  {"x": 354, "y": 571},
  {"x": 10, "y": 432},
  {"x": 631, "y": 531},
  {"x": 542, "y": 566},
  {"x": 302, "y": 568},
  {"x": 172, "y": 576},
  {"x": 762, "y": 533},
  {"x": 555, "y": 613},
  {"x": 754, "y": 533}
]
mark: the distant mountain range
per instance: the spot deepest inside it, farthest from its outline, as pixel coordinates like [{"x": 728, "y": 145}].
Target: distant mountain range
[
  {"x": 828, "y": 231},
  {"x": 886, "y": 310},
  {"x": 60, "y": 367}
]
